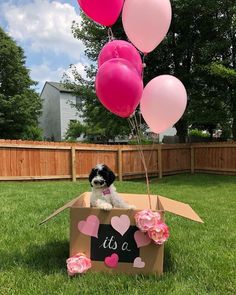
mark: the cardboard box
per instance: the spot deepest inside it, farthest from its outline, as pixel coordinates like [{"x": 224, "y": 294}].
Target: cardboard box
[{"x": 91, "y": 233}]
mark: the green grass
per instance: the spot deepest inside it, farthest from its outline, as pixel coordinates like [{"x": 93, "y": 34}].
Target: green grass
[{"x": 199, "y": 258}]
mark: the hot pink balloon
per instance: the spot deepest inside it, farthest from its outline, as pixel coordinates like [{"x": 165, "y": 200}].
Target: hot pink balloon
[
  {"x": 163, "y": 102},
  {"x": 119, "y": 87},
  {"x": 104, "y": 12},
  {"x": 121, "y": 49},
  {"x": 146, "y": 22}
]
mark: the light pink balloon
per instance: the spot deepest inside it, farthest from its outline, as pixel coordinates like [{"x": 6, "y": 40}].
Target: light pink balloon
[
  {"x": 104, "y": 12},
  {"x": 121, "y": 49},
  {"x": 146, "y": 22},
  {"x": 163, "y": 102},
  {"x": 119, "y": 87}
]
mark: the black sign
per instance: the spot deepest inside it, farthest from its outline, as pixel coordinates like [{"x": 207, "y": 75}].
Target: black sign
[{"x": 109, "y": 241}]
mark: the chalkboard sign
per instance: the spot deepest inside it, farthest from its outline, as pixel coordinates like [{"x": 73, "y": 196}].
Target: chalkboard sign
[{"x": 109, "y": 241}]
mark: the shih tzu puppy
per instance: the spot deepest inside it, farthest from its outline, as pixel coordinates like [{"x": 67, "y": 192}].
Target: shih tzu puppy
[{"x": 104, "y": 195}]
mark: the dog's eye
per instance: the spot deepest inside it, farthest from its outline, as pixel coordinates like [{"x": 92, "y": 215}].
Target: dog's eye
[{"x": 104, "y": 174}]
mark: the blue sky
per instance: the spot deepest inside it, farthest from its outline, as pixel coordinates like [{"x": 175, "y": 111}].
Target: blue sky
[{"x": 43, "y": 29}]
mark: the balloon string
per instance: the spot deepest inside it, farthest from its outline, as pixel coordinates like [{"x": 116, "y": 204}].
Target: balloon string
[
  {"x": 153, "y": 140},
  {"x": 135, "y": 127},
  {"x": 110, "y": 34},
  {"x": 111, "y": 37},
  {"x": 144, "y": 64},
  {"x": 116, "y": 52},
  {"x": 134, "y": 133},
  {"x": 144, "y": 161}
]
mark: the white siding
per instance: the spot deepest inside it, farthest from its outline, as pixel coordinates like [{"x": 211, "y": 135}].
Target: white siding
[
  {"x": 50, "y": 118},
  {"x": 169, "y": 132},
  {"x": 57, "y": 112},
  {"x": 68, "y": 111}
]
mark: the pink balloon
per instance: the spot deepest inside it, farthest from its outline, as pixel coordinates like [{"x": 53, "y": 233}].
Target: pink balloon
[
  {"x": 104, "y": 12},
  {"x": 119, "y": 87},
  {"x": 163, "y": 102},
  {"x": 146, "y": 23},
  {"x": 121, "y": 49}
]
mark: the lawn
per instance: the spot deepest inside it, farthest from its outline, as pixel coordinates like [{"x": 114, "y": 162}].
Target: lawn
[{"x": 199, "y": 258}]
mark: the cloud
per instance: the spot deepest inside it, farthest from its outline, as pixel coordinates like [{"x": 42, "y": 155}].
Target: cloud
[
  {"x": 80, "y": 69},
  {"x": 44, "y": 72},
  {"x": 44, "y": 25}
]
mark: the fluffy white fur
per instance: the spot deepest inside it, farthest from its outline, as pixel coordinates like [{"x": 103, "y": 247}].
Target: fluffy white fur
[
  {"x": 108, "y": 201},
  {"x": 104, "y": 194}
]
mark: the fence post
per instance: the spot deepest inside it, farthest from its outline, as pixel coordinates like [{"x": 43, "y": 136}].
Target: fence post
[
  {"x": 192, "y": 159},
  {"x": 73, "y": 164},
  {"x": 120, "y": 168},
  {"x": 159, "y": 155}
]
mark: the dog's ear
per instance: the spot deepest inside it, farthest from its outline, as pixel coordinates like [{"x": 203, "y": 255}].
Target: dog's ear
[
  {"x": 91, "y": 175},
  {"x": 110, "y": 177}
]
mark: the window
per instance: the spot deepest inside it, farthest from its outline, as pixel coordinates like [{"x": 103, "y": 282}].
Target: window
[{"x": 78, "y": 101}]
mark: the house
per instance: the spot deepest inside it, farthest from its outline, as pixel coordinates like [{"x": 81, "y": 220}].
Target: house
[
  {"x": 168, "y": 136},
  {"x": 58, "y": 110}
]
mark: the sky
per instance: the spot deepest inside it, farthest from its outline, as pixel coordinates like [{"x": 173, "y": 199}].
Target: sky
[{"x": 42, "y": 28}]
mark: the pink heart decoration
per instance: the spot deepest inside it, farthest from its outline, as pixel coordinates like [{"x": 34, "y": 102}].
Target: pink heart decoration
[
  {"x": 138, "y": 263},
  {"x": 112, "y": 261},
  {"x": 90, "y": 226},
  {"x": 141, "y": 239},
  {"x": 120, "y": 224}
]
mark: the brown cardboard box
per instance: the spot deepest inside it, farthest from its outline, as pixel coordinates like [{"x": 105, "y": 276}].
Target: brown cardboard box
[{"x": 109, "y": 241}]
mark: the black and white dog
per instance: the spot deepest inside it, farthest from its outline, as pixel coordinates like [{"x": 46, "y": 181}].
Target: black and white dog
[{"x": 104, "y": 195}]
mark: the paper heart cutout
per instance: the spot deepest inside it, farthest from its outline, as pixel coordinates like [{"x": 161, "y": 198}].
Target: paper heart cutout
[
  {"x": 138, "y": 263},
  {"x": 120, "y": 224},
  {"x": 90, "y": 226},
  {"x": 141, "y": 239},
  {"x": 112, "y": 261}
]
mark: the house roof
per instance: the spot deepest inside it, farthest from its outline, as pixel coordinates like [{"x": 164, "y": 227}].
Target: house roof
[{"x": 60, "y": 87}]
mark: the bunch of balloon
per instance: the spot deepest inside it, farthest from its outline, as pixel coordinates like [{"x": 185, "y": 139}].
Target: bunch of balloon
[
  {"x": 119, "y": 84},
  {"x": 119, "y": 80}
]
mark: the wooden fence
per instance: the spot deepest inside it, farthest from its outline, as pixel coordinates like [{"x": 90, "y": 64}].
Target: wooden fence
[{"x": 21, "y": 160}]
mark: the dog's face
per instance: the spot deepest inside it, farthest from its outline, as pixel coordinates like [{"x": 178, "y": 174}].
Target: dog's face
[{"x": 101, "y": 176}]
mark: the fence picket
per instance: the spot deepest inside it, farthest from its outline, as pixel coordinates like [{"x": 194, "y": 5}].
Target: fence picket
[{"x": 21, "y": 160}]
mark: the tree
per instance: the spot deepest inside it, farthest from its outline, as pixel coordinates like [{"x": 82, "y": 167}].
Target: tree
[
  {"x": 20, "y": 105},
  {"x": 216, "y": 103},
  {"x": 201, "y": 33}
]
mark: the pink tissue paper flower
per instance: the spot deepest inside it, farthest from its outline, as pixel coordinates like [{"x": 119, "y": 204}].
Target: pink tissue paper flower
[
  {"x": 146, "y": 219},
  {"x": 78, "y": 264},
  {"x": 159, "y": 234}
]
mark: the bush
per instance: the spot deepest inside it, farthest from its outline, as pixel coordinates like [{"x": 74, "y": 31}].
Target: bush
[
  {"x": 74, "y": 131},
  {"x": 198, "y": 133},
  {"x": 33, "y": 133}
]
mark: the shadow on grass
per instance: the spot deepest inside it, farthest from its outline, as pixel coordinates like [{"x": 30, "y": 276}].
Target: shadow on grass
[
  {"x": 169, "y": 266},
  {"x": 51, "y": 258},
  {"x": 47, "y": 258}
]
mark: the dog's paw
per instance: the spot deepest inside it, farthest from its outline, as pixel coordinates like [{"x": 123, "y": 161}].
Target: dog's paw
[
  {"x": 131, "y": 207},
  {"x": 105, "y": 206}
]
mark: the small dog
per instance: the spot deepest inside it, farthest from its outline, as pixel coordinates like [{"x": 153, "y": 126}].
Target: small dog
[{"x": 104, "y": 195}]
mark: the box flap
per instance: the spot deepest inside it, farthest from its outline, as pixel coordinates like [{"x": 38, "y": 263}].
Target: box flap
[
  {"x": 179, "y": 208},
  {"x": 67, "y": 205},
  {"x": 140, "y": 201}
]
